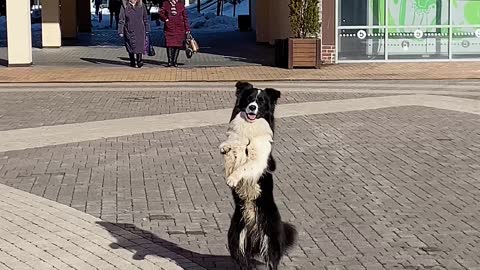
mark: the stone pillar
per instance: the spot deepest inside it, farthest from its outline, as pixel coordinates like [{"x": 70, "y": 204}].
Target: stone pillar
[
  {"x": 19, "y": 33},
  {"x": 68, "y": 18},
  {"x": 51, "y": 34}
]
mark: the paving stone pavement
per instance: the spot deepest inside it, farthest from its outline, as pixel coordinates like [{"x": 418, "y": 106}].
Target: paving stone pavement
[
  {"x": 105, "y": 49},
  {"x": 389, "y": 189},
  {"x": 66, "y": 107},
  {"x": 36, "y": 233}
]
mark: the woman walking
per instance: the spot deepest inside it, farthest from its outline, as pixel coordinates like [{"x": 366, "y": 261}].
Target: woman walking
[
  {"x": 133, "y": 26},
  {"x": 114, "y": 7},
  {"x": 176, "y": 27}
]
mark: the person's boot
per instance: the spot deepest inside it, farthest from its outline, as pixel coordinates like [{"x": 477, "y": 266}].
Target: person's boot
[
  {"x": 132, "y": 59},
  {"x": 169, "y": 57},
  {"x": 175, "y": 57},
  {"x": 139, "y": 60}
]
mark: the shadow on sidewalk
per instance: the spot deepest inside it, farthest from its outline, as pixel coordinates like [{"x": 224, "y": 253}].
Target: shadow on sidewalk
[
  {"x": 147, "y": 61},
  {"x": 105, "y": 61},
  {"x": 151, "y": 247}
]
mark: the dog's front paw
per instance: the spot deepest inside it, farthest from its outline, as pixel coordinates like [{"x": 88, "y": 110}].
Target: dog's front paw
[
  {"x": 225, "y": 148},
  {"x": 233, "y": 180}
]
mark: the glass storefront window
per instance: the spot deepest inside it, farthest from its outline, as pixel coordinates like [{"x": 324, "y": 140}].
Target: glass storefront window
[
  {"x": 362, "y": 44},
  {"x": 372, "y": 30},
  {"x": 361, "y": 12},
  {"x": 465, "y": 12},
  {"x": 418, "y": 43},
  {"x": 417, "y": 12},
  {"x": 466, "y": 42}
]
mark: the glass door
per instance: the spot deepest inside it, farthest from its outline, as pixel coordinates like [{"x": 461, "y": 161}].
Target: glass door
[
  {"x": 465, "y": 16},
  {"x": 418, "y": 29}
]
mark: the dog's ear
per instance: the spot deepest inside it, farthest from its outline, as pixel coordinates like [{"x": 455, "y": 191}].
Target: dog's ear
[
  {"x": 273, "y": 94},
  {"x": 242, "y": 86}
]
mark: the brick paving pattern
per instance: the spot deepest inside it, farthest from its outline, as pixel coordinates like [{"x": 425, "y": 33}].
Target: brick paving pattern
[
  {"x": 105, "y": 49},
  {"x": 384, "y": 189},
  {"x": 362, "y": 72},
  {"x": 56, "y": 108},
  {"x": 36, "y": 233}
]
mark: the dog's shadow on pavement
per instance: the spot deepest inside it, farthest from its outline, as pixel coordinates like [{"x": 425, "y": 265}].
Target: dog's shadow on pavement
[{"x": 144, "y": 243}]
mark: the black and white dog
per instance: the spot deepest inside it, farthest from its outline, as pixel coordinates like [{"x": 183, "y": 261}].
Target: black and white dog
[{"x": 256, "y": 227}]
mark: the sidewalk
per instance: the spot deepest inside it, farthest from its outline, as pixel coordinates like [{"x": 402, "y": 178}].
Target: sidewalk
[
  {"x": 374, "y": 175},
  {"x": 36, "y": 233},
  {"x": 371, "y": 71}
]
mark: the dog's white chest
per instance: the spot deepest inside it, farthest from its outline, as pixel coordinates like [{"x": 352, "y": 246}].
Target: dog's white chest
[{"x": 249, "y": 130}]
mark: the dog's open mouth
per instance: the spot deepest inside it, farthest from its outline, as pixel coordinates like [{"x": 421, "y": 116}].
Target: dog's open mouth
[{"x": 251, "y": 116}]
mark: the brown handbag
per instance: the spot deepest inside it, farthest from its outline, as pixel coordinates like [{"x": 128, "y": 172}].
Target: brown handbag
[
  {"x": 191, "y": 46},
  {"x": 192, "y": 43}
]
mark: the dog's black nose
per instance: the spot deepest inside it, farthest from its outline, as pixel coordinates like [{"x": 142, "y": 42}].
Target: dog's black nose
[{"x": 252, "y": 107}]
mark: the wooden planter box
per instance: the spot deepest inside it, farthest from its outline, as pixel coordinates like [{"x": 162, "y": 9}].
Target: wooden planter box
[{"x": 304, "y": 52}]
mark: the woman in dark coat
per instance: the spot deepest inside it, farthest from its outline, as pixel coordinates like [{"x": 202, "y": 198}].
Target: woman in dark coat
[
  {"x": 176, "y": 27},
  {"x": 133, "y": 25},
  {"x": 114, "y": 7}
]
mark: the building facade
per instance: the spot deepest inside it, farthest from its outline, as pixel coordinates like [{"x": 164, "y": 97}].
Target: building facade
[
  {"x": 351, "y": 30},
  {"x": 386, "y": 30}
]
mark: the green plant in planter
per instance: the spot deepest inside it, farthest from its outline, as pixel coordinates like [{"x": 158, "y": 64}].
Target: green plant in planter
[{"x": 304, "y": 18}]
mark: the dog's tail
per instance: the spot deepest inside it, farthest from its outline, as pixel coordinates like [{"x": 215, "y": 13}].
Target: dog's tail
[{"x": 290, "y": 234}]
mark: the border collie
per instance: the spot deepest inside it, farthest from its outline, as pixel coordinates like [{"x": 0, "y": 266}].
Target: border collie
[{"x": 256, "y": 227}]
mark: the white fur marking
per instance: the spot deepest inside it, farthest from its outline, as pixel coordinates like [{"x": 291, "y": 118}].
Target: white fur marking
[
  {"x": 259, "y": 137},
  {"x": 242, "y": 243},
  {"x": 264, "y": 246},
  {"x": 248, "y": 110}
]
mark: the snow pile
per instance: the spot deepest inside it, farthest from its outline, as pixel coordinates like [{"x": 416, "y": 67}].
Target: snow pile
[
  {"x": 221, "y": 22},
  {"x": 209, "y": 6},
  {"x": 205, "y": 21},
  {"x": 209, "y": 21},
  {"x": 213, "y": 22}
]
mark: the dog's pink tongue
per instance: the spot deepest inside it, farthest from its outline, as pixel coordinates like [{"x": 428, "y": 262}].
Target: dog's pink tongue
[{"x": 251, "y": 116}]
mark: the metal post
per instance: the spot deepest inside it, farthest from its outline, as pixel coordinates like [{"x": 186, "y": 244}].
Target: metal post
[
  {"x": 337, "y": 32},
  {"x": 387, "y": 30},
  {"x": 450, "y": 34}
]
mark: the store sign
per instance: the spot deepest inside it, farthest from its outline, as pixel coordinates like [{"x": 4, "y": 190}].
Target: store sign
[
  {"x": 418, "y": 33},
  {"x": 477, "y": 33},
  {"x": 361, "y": 34}
]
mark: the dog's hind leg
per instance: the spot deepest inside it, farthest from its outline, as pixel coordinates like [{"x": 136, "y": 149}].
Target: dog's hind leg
[
  {"x": 238, "y": 240},
  {"x": 272, "y": 251},
  {"x": 272, "y": 265},
  {"x": 272, "y": 259}
]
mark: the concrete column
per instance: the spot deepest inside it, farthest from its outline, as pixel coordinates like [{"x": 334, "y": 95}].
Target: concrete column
[
  {"x": 19, "y": 33},
  {"x": 68, "y": 18},
  {"x": 51, "y": 34}
]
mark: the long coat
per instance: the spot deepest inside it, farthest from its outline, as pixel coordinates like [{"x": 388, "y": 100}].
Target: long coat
[
  {"x": 133, "y": 24},
  {"x": 176, "y": 26}
]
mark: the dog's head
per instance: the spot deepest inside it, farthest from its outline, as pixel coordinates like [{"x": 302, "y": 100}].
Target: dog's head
[{"x": 255, "y": 103}]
